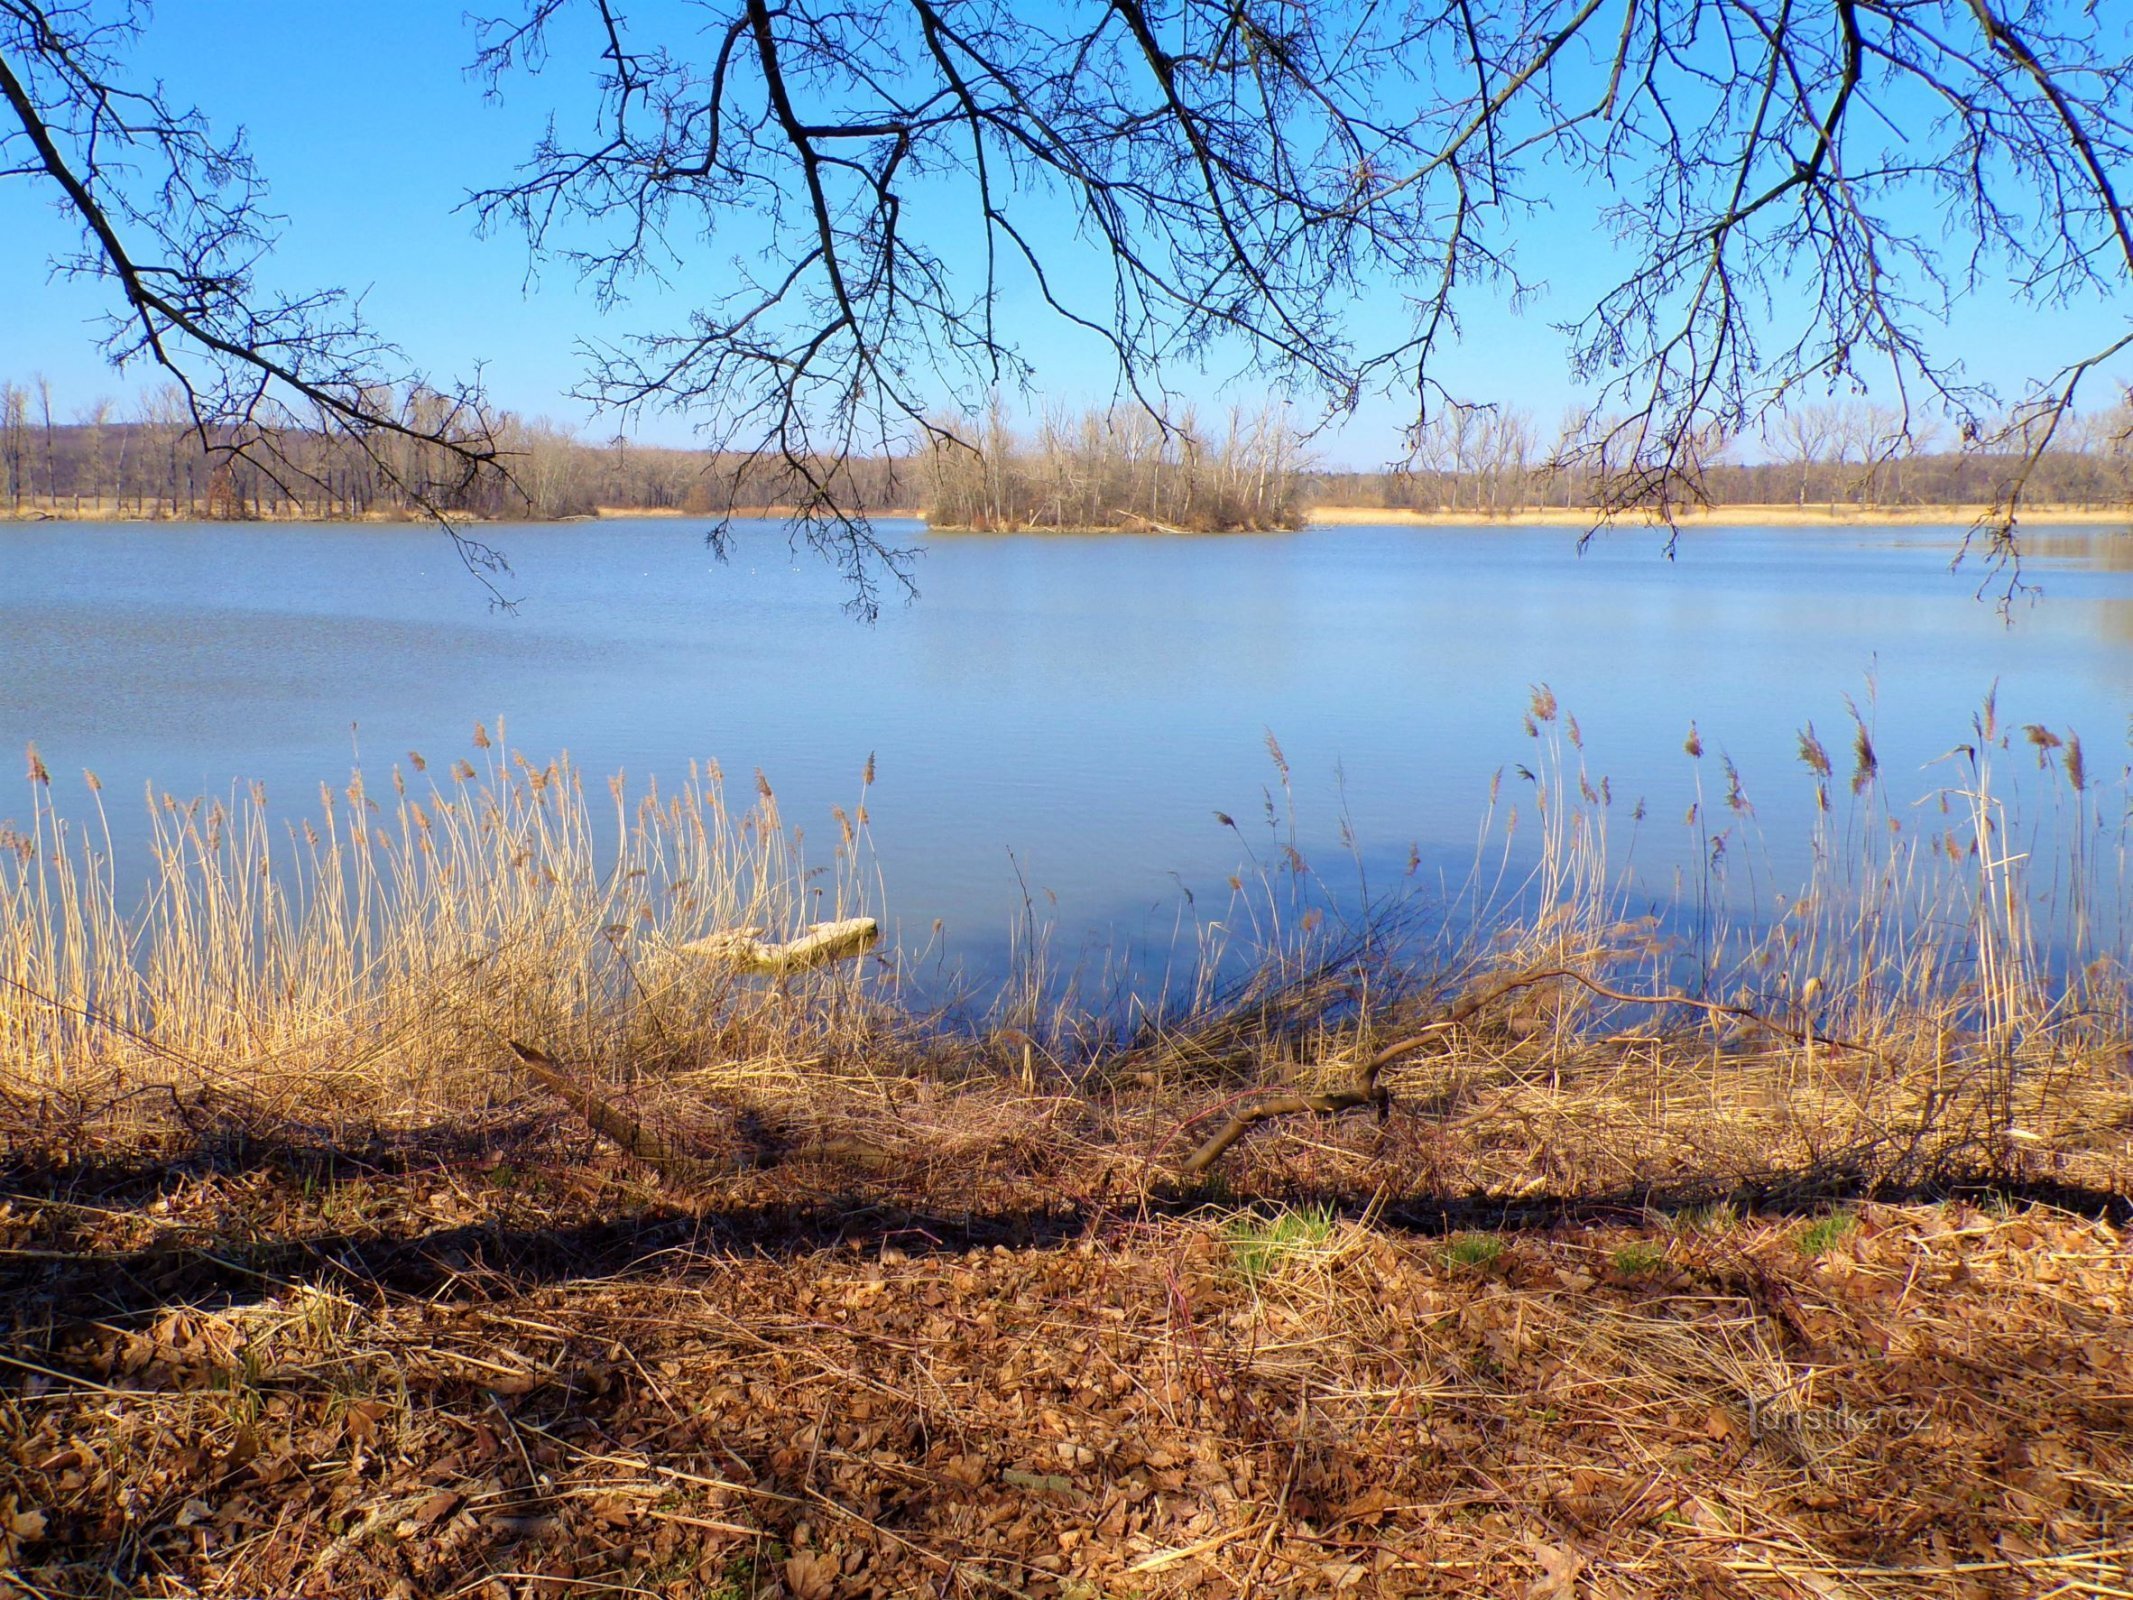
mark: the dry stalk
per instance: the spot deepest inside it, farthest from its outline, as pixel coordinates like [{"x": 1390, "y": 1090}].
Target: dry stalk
[
  {"x": 1366, "y": 1090},
  {"x": 626, "y": 1132}
]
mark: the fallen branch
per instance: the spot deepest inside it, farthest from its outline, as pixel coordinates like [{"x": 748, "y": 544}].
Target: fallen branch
[
  {"x": 746, "y": 950},
  {"x": 1364, "y": 1091},
  {"x": 1526, "y": 980},
  {"x": 1125, "y": 517},
  {"x": 624, "y": 1130},
  {"x": 635, "y": 1139}
]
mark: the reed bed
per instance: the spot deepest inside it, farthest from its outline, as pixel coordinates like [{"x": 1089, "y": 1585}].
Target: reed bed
[
  {"x": 1938, "y": 999},
  {"x": 374, "y": 957}
]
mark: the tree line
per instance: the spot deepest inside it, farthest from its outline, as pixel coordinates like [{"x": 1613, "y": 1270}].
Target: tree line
[
  {"x": 1115, "y": 467},
  {"x": 1104, "y": 467},
  {"x": 1498, "y": 460},
  {"x": 153, "y": 460}
]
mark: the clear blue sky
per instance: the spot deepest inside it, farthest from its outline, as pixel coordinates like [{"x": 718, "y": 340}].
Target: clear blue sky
[{"x": 371, "y": 133}]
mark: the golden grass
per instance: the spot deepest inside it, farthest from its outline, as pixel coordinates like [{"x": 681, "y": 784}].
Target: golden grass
[
  {"x": 374, "y": 957},
  {"x": 1932, "y": 1005}
]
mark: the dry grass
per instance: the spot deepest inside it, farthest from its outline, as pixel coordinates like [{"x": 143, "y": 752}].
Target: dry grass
[
  {"x": 1934, "y": 1005},
  {"x": 1777, "y": 1258},
  {"x": 1935, "y": 1405},
  {"x": 372, "y": 959}
]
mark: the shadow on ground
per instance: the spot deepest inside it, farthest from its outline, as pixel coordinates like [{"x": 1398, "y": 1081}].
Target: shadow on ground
[{"x": 247, "y": 1217}]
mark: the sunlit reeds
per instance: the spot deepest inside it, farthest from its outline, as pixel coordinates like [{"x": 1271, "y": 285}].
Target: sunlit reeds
[
  {"x": 1944, "y": 992},
  {"x": 384, "y": 947}
]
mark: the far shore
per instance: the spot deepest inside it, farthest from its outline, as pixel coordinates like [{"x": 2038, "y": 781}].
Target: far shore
[
  {"x": 1743, "y": 516},
  {"x": 108, "y": 513},
  {"x": 1325, "y": 516}
]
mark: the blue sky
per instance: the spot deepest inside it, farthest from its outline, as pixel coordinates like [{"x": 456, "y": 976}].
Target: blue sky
[{"x": 365, "y": 122}]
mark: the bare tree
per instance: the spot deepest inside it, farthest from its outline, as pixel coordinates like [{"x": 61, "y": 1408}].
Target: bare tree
[
  {"x": 171, "y": 221},
  {"x": 1808, "y": 436},
  {"x": 14, "y": 441},
  {"x": 1118, "y": 468},
  {"x": 43, "y": 386},
  {"x": 1244, "y": 179}
]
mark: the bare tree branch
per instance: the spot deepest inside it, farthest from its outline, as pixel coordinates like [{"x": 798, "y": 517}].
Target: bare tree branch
[
  {"x": 869, "y": 201},
  {"x": 173, "y": 221}
]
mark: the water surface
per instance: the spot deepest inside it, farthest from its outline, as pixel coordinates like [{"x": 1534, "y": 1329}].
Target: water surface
[{"x": 1064, "y": 713}]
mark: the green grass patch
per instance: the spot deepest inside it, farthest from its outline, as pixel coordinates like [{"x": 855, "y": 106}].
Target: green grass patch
[
  {"x": 1721, "y": 1216},
  {"x": 1260, "y": 1245},
  {"x": 1820, "y": 1237},
  {"x": 1637, "y": 1258},
  {"x": 1474, "y": 1250}
]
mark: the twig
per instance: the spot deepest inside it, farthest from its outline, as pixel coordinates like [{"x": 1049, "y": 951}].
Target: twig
[{"x": 1364, "y": 1091}]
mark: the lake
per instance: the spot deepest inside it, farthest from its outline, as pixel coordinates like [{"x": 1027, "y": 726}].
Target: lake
[{"x": 1065, "y": 714}]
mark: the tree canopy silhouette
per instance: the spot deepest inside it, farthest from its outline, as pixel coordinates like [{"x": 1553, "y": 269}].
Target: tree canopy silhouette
[{"x": 869, "y": 201}]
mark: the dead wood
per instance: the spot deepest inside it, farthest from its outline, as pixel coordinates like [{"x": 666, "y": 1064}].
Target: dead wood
[
  {"x": 1467, "y": 1008},
  {"x": 1364, "y": 1091},
  {"x": 635, "y": 1139},
  {"x": 746, "y": 950},
  {"x": 624, "y": 1130}
]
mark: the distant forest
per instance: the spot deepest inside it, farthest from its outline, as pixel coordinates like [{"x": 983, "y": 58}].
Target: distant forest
[
  {"x": 1113, "y": 468},
  {"x": 149, "y": 462},
  {"x": 1116, "y": 469},
  {"x": 1496, "y": 461}
]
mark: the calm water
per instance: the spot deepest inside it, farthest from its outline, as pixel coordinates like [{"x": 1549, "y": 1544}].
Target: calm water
[{"x": 1077, "y": 708}]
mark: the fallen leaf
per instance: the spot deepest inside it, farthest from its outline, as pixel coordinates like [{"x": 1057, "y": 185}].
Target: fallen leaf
[
  {"x": 812, "y": 1575},
  {"x": 441, "y": 1504},
  {"x": 1560, "y": 1566}
]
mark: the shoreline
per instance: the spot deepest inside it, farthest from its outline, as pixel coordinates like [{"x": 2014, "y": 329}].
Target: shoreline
[
  {"x": 383, "y": 519},
  {"x": 1741, "y": 516},
  {"x": 1326, "y": 516}
]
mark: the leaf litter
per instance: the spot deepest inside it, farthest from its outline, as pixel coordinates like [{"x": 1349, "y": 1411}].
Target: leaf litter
[{"x": 866, "y": 1400}]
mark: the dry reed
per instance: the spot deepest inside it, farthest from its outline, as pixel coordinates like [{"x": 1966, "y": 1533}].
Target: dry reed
[
  {"x": 377, "y": 955},
  {"x": 1931, "y": 1003}
]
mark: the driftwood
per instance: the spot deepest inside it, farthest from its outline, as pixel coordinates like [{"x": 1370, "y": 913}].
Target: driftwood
[
  {"x": 1126, "y": 517},
  {"x": 746, "y": 950}
]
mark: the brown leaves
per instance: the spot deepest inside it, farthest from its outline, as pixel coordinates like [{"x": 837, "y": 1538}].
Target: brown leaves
[
  {"x": 812, "y": 1575},
  {"x": 1129, "y": 1411},
  {"x": 1560, "y": 1566},
  {"x": 18, "y": 1527}
]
